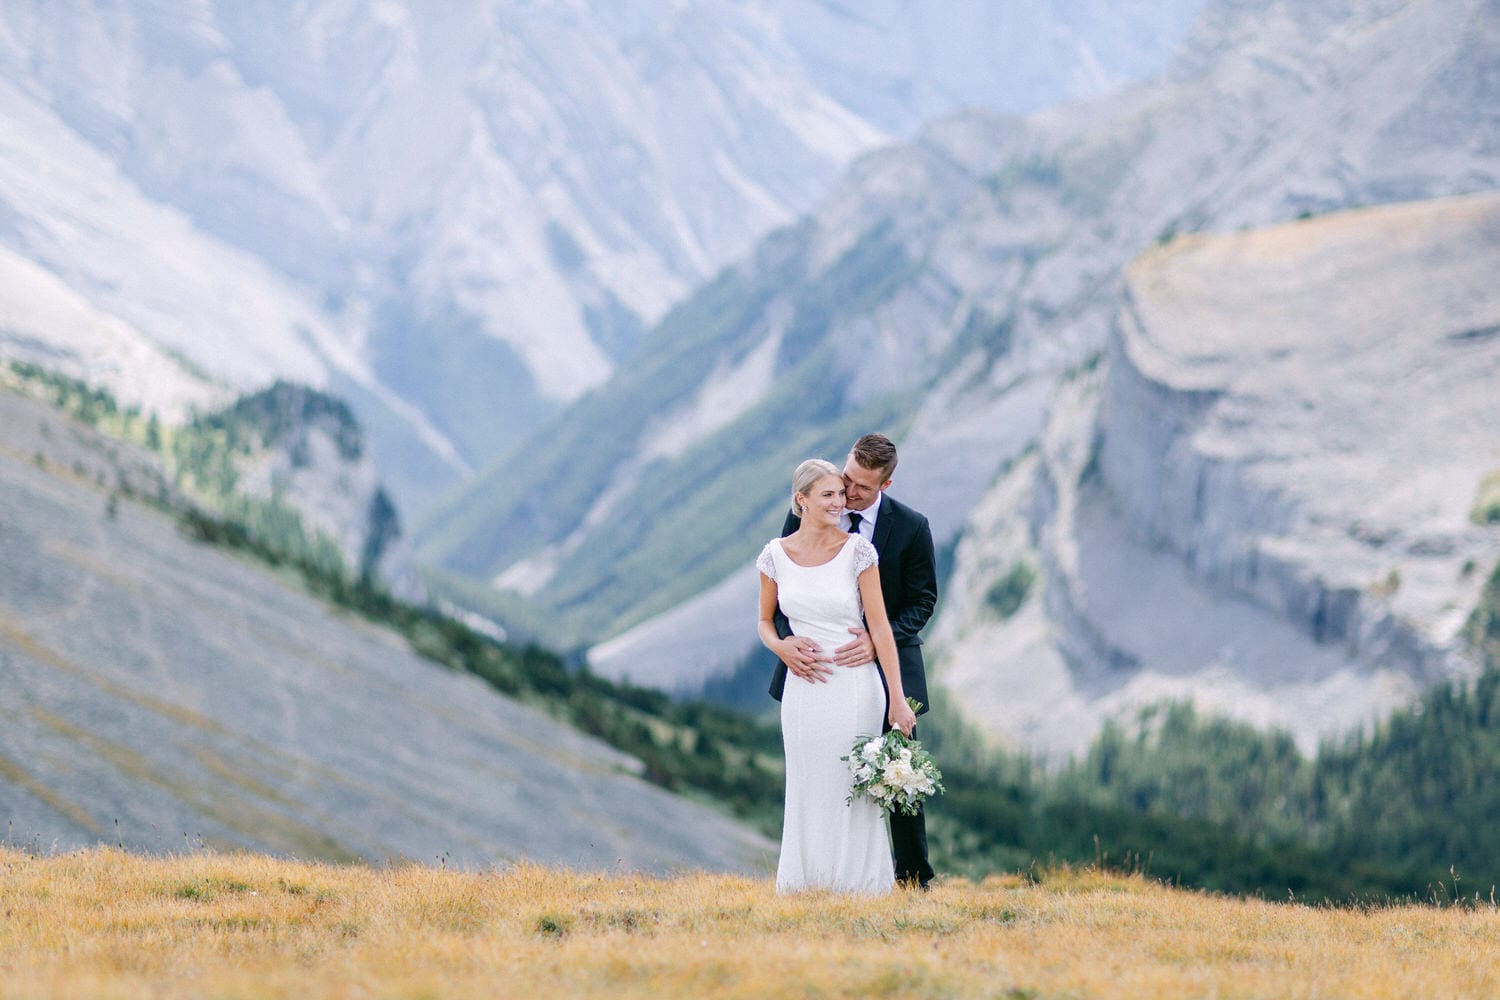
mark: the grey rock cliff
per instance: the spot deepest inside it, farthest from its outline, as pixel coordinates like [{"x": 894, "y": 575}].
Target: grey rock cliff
[
  {"x": 1263, "y": 499},
  {"x": 312, "y": 455}
]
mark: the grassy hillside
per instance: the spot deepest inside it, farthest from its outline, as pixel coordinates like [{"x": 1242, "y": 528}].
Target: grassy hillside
[{"x": 106, "y": 924}]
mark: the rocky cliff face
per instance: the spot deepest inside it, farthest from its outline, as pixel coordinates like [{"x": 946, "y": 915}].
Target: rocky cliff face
[
  {"x": 310, "y": 454},
  {"x": 1267, "y": 498},
  {"x": 1319, "y": 393}
]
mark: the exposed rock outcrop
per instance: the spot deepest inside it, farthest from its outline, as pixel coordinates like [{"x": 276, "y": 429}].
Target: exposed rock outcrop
[
  {"x": 1265, "y": 498},
  {"x": 310, "y": 454}
]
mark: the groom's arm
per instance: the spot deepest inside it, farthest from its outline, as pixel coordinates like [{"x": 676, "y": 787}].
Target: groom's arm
[{"x": 918, "y": 585}]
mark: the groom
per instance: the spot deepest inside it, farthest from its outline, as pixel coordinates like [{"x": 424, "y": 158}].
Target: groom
[{"x": 908, "y": 582}]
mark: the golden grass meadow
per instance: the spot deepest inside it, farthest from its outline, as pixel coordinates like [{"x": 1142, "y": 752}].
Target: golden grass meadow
[{"x": 103, "y": 923}]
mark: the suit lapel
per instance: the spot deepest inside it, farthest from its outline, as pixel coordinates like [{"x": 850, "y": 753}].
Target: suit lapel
[
  {"x": 884, "y": 523},
  {"x": 890, "y": 570}
]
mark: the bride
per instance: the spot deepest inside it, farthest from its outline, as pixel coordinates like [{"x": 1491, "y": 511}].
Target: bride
[{"x": 827, "y": 581}]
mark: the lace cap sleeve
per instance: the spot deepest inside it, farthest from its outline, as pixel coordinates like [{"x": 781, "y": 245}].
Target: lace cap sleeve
[
  {"x": 766, "y": 561},
  {"x": 865, "y": 555}
]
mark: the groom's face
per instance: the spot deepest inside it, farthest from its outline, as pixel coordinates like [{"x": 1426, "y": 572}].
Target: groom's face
[{"x": 862, "y": 485}]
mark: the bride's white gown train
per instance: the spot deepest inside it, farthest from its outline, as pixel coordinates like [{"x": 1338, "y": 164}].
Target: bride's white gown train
[{"x": 827, "y": 842}]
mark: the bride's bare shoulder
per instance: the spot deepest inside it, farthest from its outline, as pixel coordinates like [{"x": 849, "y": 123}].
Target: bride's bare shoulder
[{"x": 793, "y": 546}]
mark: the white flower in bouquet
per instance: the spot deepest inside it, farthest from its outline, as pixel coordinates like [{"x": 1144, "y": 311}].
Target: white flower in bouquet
[{"x": 899, "y": 773}]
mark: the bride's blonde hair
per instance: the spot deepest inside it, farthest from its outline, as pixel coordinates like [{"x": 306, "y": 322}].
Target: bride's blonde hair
[{"x": 808, "y": 473}]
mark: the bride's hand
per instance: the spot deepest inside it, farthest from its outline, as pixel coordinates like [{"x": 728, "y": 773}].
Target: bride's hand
[{"x": 902, "y": 717}]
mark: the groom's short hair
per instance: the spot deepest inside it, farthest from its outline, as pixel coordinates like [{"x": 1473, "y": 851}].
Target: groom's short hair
[{"x": 875, "y": 452}]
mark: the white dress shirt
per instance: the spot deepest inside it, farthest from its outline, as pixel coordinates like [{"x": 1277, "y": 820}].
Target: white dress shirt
[{"x": 867, "y": 518}]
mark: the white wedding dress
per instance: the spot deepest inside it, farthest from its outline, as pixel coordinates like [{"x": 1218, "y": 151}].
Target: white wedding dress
[{"x": 827, "y": 842}]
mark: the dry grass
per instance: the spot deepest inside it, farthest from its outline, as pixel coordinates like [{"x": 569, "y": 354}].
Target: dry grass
[{"x": 108, "y": 924}]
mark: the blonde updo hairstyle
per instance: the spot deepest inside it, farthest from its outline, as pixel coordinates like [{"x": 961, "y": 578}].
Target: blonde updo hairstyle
[{"x": 808, "y": 473}]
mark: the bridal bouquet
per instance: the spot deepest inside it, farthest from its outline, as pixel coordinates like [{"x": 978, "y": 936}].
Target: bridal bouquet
[{"x": 894, "y": 771}]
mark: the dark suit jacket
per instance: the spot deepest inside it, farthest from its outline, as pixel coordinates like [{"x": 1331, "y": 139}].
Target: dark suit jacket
[{"x": 908, "y": 582}]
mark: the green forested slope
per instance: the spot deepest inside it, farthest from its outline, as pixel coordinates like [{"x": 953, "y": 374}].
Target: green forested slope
[
  {"x": 1408, "y": 805},
  {"x": 683, "y": 522}
]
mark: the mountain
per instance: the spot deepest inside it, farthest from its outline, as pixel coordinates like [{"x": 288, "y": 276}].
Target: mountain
[
  {"x": 949, "y": 292},
  {"x": 288, "y": 465},
  {"x": 1269, "y": 500},
  {"x": 165, "y": 695},
  {"x": 460, "y": 218},
  {"x": 292, "y": 448}
]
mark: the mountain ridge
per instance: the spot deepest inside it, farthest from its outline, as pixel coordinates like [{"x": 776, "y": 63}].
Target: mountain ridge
[
  {"x": 552, "y": 177},
  {"x": 1017, "y": 275}
]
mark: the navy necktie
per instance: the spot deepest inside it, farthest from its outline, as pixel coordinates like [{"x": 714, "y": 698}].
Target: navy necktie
[{"x": 854, "y": 520}]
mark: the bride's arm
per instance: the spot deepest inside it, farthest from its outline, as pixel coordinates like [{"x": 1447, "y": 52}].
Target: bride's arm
[
  {"x": 899, "y": 713},
  {"x": 766, "y": 627}
]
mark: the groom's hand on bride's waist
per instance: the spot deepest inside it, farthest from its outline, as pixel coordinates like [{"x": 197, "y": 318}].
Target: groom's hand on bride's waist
[
  {"x": 803, "y": 658},
  {"x": 857, "y": 651}
]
